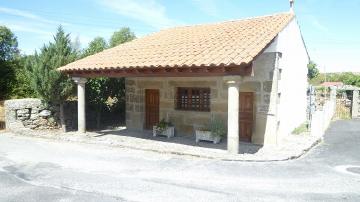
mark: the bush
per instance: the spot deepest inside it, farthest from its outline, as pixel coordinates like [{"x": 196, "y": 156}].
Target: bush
[{"x": 217, "y": 128}]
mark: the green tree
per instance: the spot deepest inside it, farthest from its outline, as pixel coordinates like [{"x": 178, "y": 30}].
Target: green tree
[
  {"x": 99, "y": 90},
  {"x": 22, "y": 87},
  {"x": 313, "y": 71},
  {"x": 96, "y": 88},
  {"x": 8, "y": 44},
  {"x": 52, "y": 86},
  {"x": 95, "y": 46},
  {"x": 121, "y": 36},
  {"x": 8, "y": 54},
  {"x": 7, "y": 78},
  {"x": 347, "y": 78}
]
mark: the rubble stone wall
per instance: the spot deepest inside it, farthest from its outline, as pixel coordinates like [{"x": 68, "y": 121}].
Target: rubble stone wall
[{"x": 29, "y": 113}]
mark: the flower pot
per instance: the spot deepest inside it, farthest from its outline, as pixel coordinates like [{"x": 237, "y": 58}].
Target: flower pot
[
  {"x": 206, "y": 135},
  {"x": 168, "y": 132}
]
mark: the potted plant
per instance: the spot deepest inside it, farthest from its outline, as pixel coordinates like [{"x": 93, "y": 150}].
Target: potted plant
[
  {"x": 164, "y": 128},
  {"x": 214, "y": 132}
]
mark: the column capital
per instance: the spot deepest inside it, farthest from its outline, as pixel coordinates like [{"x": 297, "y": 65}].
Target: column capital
[
  {"x": 232, "y": 80},
  {"x": 79, "y": 80}
]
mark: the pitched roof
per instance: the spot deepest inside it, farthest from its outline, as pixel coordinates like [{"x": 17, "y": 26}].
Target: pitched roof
[
  {"x": 229, "y": 43},
  {"x": 334, "y": 83}
]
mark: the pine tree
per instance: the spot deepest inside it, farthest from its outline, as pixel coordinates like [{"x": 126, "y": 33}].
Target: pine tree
[{"x": 52, "y": 86}]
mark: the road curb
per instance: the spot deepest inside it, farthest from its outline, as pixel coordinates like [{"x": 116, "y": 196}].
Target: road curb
[{"x": 212, "y": 155}]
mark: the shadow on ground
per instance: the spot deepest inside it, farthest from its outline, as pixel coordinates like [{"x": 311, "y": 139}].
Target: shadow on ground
[{"x": 244, "y": 148}]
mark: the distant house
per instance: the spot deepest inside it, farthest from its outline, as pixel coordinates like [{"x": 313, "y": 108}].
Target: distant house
[
  {"x": 251, "y": 73},
  {"x": 337, "y": 84}
]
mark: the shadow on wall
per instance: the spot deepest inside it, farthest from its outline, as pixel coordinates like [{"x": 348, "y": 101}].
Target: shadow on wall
[
  {"x": 108, "y": 118},
  {"x": 2, "y": 115}
]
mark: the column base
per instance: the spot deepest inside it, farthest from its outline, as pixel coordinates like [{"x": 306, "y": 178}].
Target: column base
[{"x": 233, "y": 145}]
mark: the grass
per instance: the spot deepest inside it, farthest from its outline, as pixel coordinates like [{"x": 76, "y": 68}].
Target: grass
[
  {"x": 342, "y": 112},
  {"x": 301, "y": 129}
]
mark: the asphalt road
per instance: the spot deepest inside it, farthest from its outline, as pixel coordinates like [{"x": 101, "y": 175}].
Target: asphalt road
[{"x": 42, "y": 170}]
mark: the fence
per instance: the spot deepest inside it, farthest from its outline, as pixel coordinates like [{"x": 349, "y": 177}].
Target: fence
[{"x": 2, "y": 115}]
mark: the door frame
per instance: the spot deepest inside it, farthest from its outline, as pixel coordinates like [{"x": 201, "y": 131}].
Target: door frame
[
  {"x": 147, "y": 125},
  {"x": 253, "y": 116}
]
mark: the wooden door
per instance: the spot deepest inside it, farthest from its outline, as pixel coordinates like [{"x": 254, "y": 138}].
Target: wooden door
[
  {"x": 151, "y": 108},
  {"x": 246, "y": 116}
]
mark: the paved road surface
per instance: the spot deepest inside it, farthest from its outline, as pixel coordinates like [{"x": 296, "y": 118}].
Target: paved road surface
[{"x": 43, "y": 170}]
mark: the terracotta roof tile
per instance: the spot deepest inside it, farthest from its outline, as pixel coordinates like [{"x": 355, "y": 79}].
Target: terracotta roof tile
[{"x": 227, "y": 43}]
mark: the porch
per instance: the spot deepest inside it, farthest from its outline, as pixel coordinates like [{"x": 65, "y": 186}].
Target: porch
[
  {"x": 245, "y": 103},
  {"x": 142, "y": 116}
]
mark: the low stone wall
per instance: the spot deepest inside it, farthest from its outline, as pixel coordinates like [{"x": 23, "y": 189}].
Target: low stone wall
[
  {"x": 321, "y": 118},
  {"x": 29, "y": 113},
  {"x": 32, "y": 114}
]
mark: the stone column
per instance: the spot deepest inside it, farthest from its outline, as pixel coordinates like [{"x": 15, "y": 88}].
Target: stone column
[
  {"x": 81, "y": 103},
  {"x": 355, "y": 104},
  {"x": 233, "y": 117}
]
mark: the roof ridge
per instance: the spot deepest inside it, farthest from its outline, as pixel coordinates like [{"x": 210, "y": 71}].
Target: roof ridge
[
  {"x": 204, "y": 47},
  {"x": 228, "y": 21}
]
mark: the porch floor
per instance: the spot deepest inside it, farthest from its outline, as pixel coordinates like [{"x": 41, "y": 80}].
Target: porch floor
[{"x": 188, "y": 140}]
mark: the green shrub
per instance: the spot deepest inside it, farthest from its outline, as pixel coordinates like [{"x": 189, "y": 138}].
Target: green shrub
[
  {"x": 217, "y": 128},
  {"x": 163, "y": 125}
]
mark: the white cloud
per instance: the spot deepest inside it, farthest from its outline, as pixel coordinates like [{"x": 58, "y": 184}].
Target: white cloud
[
  {"x": 207, "y": 6},
  {"x": 149, "y": 12},
  {"x": 28, "y": 15},
  {"x": 41, "y": 30},
  {"x": 24, "y": 27},
  {"x": 316, "y": 23}
]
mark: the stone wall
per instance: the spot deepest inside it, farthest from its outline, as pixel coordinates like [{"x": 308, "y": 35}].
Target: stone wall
[
  {"x": 29, "y": 113},
  {"x": 321, "y": 118},
  {"x": 32, "y": 114},
  {"x": 70, "y": 115},
  {"x": 262, "y": 84},
  {"x": 184, "y": 121}
]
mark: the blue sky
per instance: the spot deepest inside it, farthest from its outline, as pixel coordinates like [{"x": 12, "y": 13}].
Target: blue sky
[{"x": 331, "y": 28}]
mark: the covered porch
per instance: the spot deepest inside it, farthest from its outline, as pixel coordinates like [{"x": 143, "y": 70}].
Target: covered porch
[
  {"x": 139, "y": 127},
  {"x": 244, "y": 98}
]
